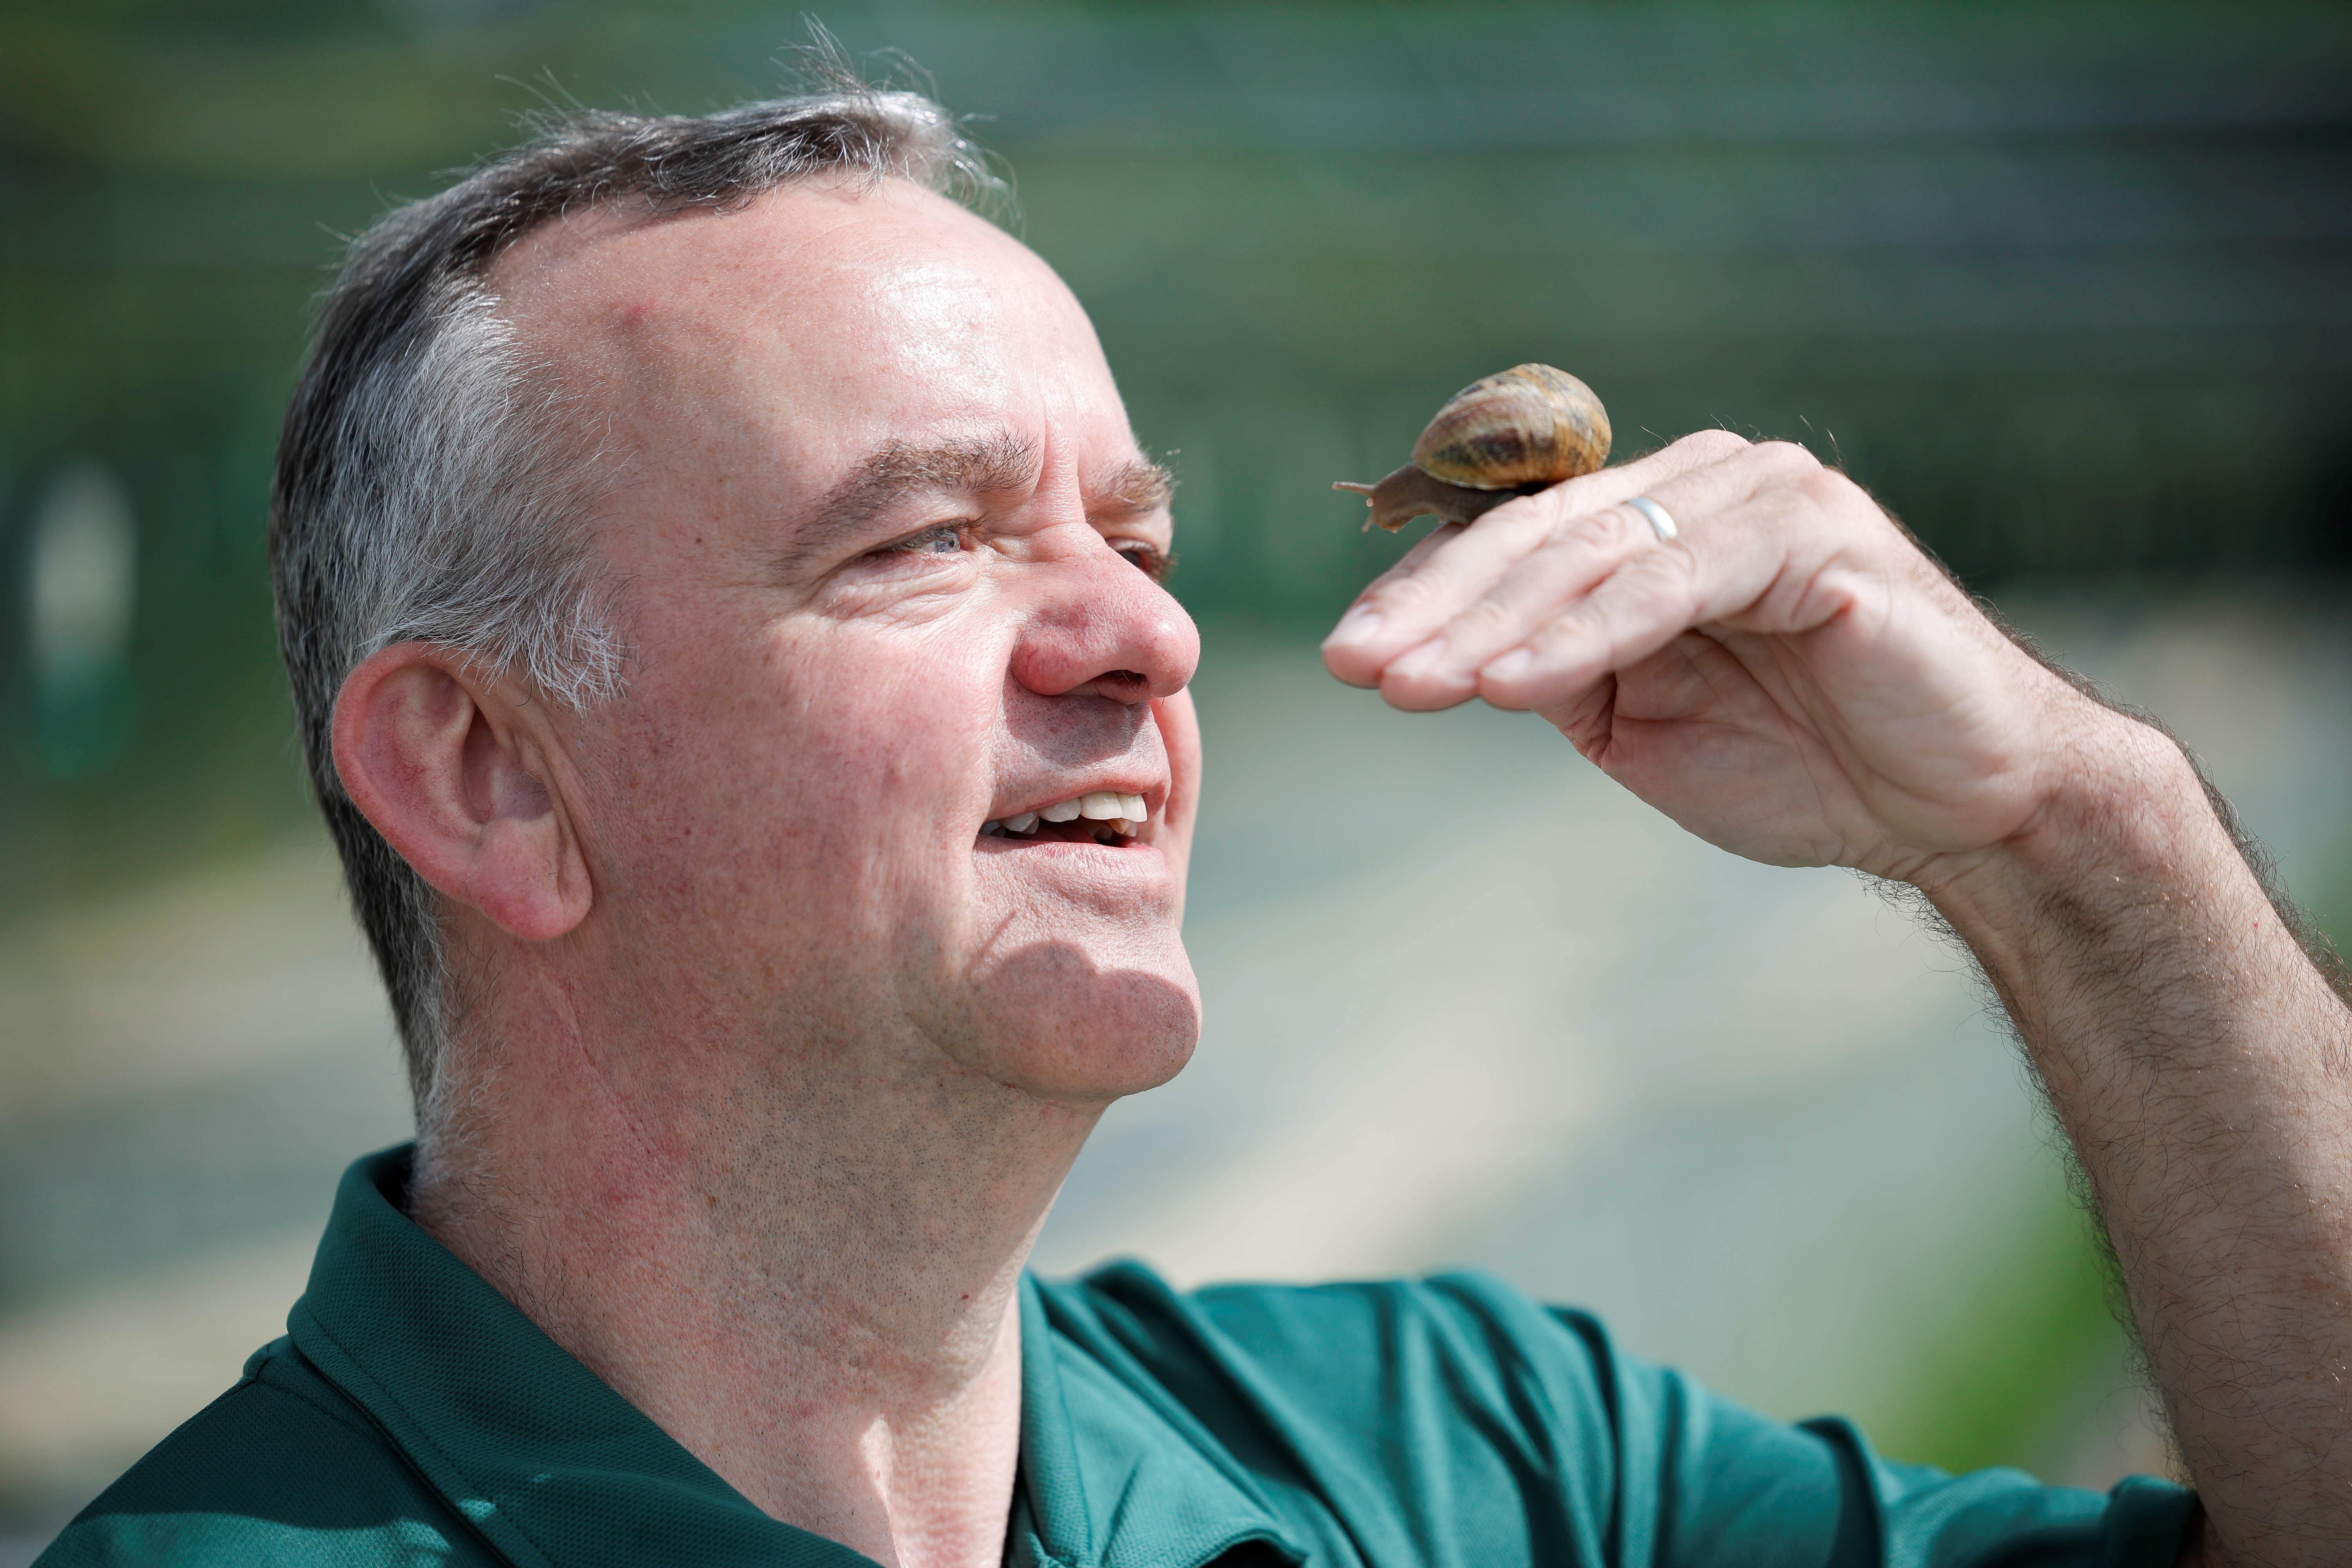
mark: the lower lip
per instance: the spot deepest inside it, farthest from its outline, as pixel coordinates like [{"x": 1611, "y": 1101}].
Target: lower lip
[{"x": 1006, "y": 846}]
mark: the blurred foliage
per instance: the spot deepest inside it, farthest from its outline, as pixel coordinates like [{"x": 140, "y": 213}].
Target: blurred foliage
[{"x": 2043, "y": 1308}]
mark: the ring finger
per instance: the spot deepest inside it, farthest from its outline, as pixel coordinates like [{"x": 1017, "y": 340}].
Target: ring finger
[
  {"x": 1582, "y": 555},
  {"x": 1582, "y": 551},
  {"x": 1414, "y": 599}
]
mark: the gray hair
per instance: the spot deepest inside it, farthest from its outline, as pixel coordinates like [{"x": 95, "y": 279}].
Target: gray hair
[{"x": 432, "y": 485}]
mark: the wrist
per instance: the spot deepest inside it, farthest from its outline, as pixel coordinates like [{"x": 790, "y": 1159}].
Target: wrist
[{"x": 2122, "y": 827}]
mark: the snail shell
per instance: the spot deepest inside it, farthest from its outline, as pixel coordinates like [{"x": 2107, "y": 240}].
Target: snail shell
[{"x": 1505, "y": 435}]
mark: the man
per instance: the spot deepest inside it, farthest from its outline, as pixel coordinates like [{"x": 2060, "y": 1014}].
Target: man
[{"x": 720, "y": 591}]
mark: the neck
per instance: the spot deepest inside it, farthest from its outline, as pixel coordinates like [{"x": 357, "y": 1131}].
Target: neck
[{"x": 801, "y": 1258}]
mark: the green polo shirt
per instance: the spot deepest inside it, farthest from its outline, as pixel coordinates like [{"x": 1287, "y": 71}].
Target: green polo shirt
[{"x": 413, "y": 1415}]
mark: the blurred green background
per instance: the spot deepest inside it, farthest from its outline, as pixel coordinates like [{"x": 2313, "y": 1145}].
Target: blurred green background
[{"x": 2070, "y": 286}]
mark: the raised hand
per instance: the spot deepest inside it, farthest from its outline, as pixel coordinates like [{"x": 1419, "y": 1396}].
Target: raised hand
[{"x": 1788, "y": 677}]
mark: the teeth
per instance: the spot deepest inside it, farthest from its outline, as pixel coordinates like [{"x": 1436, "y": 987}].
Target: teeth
[
  {"x": 1121, "y": 810},
  {"x": 992, "y": 830}
]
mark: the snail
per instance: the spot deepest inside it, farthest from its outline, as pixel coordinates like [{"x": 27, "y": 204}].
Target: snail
[{"x": 1511, "y": 433}]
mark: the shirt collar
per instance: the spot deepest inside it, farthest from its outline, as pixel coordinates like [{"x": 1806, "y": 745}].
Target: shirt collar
[
  {"x": 1114, "y": 1473},
  {"x": 557, "y": 1470}
]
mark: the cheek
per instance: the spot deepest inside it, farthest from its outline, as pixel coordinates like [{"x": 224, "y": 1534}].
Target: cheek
[
  {"x": 813, "y": 755},
  {"x": 830, "y": 768},
  {"x": 774, "y": 818},
  {"x": 881, "y": 728}
]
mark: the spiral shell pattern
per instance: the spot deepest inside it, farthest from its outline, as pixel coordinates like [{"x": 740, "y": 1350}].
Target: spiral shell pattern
[{"x": 1529, "y": 425}]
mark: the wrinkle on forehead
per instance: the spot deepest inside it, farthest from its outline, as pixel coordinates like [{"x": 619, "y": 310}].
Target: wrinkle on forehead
[
  {"x": 818, "y": 351},
  {"x": 857, "y": 304},
  {"x": 890, "y": 249}
]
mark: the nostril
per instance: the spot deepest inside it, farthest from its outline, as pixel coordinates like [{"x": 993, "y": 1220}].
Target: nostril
[{"x": 1121, "y": 686}]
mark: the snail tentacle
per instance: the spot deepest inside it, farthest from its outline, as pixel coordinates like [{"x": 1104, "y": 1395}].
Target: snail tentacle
[{"x": 1409, "y": 493}]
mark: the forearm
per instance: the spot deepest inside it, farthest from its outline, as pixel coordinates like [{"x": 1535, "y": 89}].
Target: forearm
[{"x": 2199, "y": 1062}]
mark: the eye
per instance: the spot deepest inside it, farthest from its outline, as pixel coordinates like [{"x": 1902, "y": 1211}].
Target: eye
[
  {"x": 947, "y": 541},
  {"x": 1149, "y": 559}
]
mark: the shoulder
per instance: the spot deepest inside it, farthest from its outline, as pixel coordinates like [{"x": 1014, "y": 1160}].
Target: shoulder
[
  {"x": 1478, "y": 1335},
  {"x": 282, "y": 1469},
  {"x": 1458, "y": 1418},
  {"x": 1449, "y": 1419}
]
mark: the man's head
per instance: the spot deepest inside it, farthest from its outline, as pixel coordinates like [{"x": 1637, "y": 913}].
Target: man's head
[{"x": 690, "y": 536}]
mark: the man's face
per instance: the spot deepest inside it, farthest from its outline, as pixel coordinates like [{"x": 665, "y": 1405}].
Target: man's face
[{"x": 884, "y": 551}]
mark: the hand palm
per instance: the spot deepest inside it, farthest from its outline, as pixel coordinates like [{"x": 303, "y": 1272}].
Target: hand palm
[{"x": 1734, "y": 736}]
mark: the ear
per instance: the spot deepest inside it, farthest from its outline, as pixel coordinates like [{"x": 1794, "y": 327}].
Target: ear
[{"x": 455, "y": 774}]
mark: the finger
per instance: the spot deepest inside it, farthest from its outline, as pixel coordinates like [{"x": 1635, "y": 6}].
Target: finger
[
  {"x": 1361, "y": 617},
  {"x": 1448, "y": 563},
  {"x": 1655, "y": 597},
  {"x": 1417, "y": 596},
  {"x": 1412, "y": 600},
  {"x": 1422, "y": 550},
  {"x": 1581, "y": 553},
  {"x": 1607, "y": 487}
]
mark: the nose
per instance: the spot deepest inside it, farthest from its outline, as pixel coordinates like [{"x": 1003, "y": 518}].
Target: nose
[{"x": 1104, "y": 628}]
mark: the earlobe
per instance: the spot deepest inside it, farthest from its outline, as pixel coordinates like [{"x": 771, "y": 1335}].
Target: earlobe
[{"x": 454, "y": 777}]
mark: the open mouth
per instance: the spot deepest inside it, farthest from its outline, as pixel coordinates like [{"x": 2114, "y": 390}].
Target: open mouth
[{"x": 1097, "y": 817}]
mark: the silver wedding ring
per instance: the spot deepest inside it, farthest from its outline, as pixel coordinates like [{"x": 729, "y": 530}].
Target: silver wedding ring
[{"x": 1660, "y": 518}]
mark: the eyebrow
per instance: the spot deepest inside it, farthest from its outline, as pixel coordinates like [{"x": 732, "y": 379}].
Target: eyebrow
[
  {"x": 1138, "y": 485},
  {"x": 897, "y": 470}
]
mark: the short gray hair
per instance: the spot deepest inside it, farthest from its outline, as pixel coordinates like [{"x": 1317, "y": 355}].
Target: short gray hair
[{"x": 431, "y": 484}]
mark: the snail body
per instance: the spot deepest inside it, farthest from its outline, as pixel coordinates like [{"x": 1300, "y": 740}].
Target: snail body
[{"x": 1505, "y": 435}]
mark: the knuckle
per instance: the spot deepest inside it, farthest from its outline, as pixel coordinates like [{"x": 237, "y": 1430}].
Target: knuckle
[
  {"x": 1783, "y": 503},
  {"x": 1483, "y": 617},
  {"x": 1788, "y": 458},
  {"x": 1525, "y": 515},
  {"x": 1600, "y": 529},
  {"x": 1830, "y": 487},
  {"x": 1786, "y": 464},
  {"x": 1713, "y": 445},
  {"x": 1836, "y": 496},
  {"x": 1404, "y": 594},
  {"x": 1572, "y": 626},
  {"x": 1667, "y": 580}
]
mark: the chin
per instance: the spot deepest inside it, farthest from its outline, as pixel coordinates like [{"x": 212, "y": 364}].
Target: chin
[{"x": 1053, "y": 1022}]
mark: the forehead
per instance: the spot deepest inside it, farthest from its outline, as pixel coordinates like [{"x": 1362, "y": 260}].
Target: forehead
[{"x": 819, "y": 320}]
